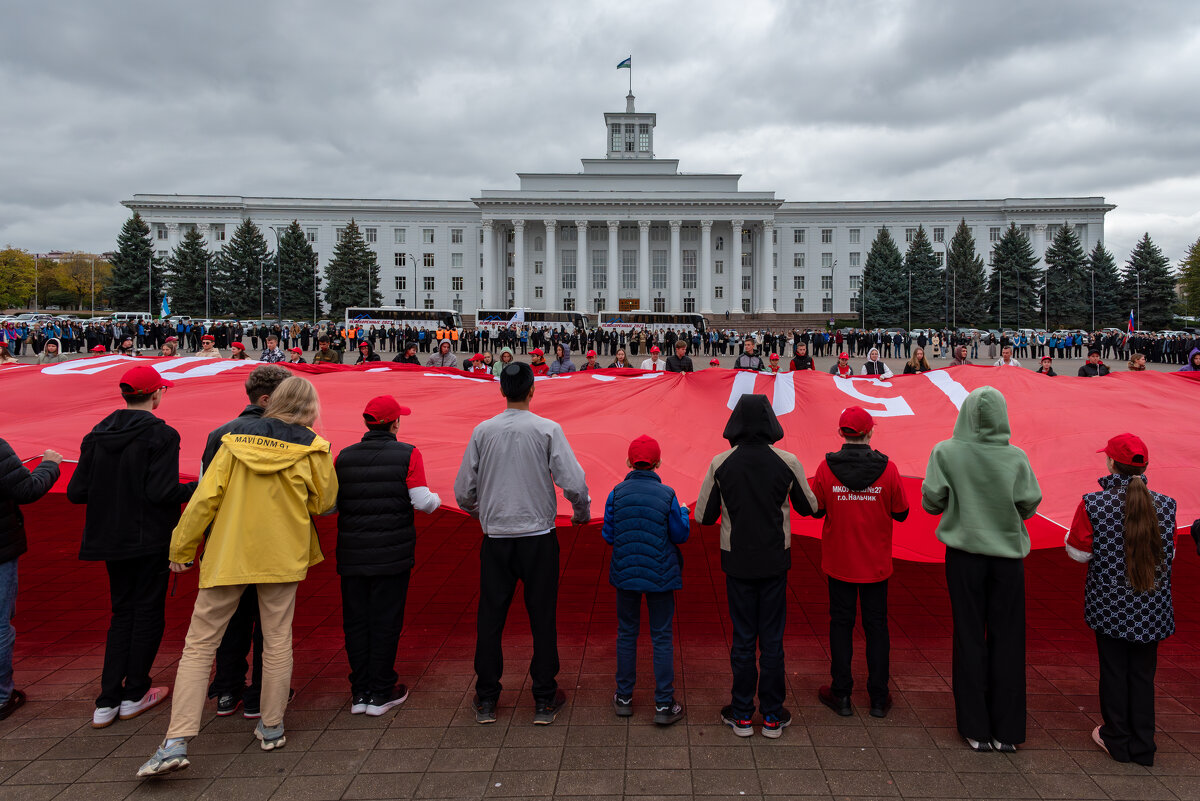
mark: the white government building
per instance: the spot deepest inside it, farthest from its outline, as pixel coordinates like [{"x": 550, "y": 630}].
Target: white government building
[{"x": 629, "y": 231}]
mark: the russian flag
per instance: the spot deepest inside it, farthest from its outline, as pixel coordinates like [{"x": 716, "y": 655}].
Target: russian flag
[{"x": 1131, "y": 321}]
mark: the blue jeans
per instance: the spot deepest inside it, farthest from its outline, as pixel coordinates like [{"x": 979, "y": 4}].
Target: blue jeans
[
  {"x": 8, "y": 634},
  {"x": 660, "y": 606}
]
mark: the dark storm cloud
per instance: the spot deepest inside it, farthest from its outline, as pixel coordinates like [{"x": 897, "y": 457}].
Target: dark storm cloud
[{"x": 816, "y": 101}]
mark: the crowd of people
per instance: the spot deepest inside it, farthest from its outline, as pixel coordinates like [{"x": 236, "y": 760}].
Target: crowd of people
[{"x": 247, "y": 524}]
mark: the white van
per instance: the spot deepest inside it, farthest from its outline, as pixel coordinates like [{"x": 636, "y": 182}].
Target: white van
[{"x": 129, "y": 317}]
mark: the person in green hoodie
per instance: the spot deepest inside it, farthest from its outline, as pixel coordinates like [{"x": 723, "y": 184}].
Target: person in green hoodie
[
  {"x": 984, "y": 489},
  {"x": 506, "y": 357}
]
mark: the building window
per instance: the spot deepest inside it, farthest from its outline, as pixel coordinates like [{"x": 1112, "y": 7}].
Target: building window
[
  {"x": 827, "y": 261},
  {"x": 718, "y": 291},
  {"x": 339, "y": 233},
  {"x": 598, "y": 301},
  {"x": 309, "y": 233},
  {"x": 629, "y": 269},
  {"x": 856, "y": 304},
  {"x": 630, "y": 142},
  {"x": 689, "y": 269},
  {"x": 401, "y": 283},
  {"x": 689, "y": 305},
  {"x": 399, "y": 235},
  {"x": 599, "y": 269},
  {"x": 568, "y": 233},
  {"x": 658, "y": 269},
  {"x": 826, "y": 236},
  {"x": 798, "y": 260},
  {"x": 428, "y": 259},
  {"x": 511, "y": 284},
  {"x": 456, "y": 236},
  {"x": 855, "y": 283},
  {"x": 855, "y": 236},
  {"x": 826, "y": 282},
  {"x": 539, "y": 267},
  {"x": 430, "y": 283},
  {"x": 658, "y": 233},
  {"x": 940, "y": 255},
  {"x": 537, "y": 292},
  {"x": 798, "y": 236},
  {"x": 994, "y": 234},
  {"x": 456, "y": 260},
  {"x": 939, "y": 234},
  {"x": 798, "y": 306},
  {"x": 747, "y": 263},
  {"x": 568, "y": 304},
  {"x": 372, "y": 235},
  {"x": 456, "y": 283},
  {"x": 537, "y": 244},
  {"x": 660, "y": 304},
  {"x": 774, "y": 283},
  {"x": 401, "y": 260},
  {"x": 774, "y": 236},
  {"x": 827, "y": 305},
  {"x": 427, "y": 236},
  {"x": 910, "y": 234},
  {"x": 720, "y": 243},
  {"x": 745, "y": 283},
  {"x": 597, "y": 234},
  {"x": 429, "y": 303},
  {"x": 160, "y": 231},
  {"x": 616, "y": 136},
  {"x": 797, "y": 282},
  {"x": 458, "y": 305},
  {"x": 855, "y": 258},
  {"x": 568, "y": 269},
  {"x": 775, "y": 260},
  {"x": 745, "y": 305},
  {"x": 719, "y": 267},
  {"x": 643, "y": 138},
  {"x": 162, "y": 254}
]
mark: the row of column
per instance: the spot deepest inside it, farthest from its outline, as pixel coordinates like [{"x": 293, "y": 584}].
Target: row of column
[{"x": 494, "y": 290}]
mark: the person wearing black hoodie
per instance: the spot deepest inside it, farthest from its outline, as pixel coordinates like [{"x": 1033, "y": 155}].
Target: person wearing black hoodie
[
  {"x": 18, "y": 485},
  {"x": 366, "y": 352},
  {"x": 408, "y": 355},
  {"x": 860, "y": 494},
  {"x": 748, "y": 488},
  {"x": 128, "y": 475}
]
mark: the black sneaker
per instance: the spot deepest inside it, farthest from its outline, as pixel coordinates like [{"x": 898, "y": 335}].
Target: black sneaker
[
  {"x": 358, "y": 703},
  {"x": 227, "y": 704},
  {"x": 485, "y": 711},
  {"x": 622, "y": 706},
  {"x": 666, "y": 714},
  {"x": 252, "y": 711},
  {"x": 382, "y": 703},
  {"x": 742, "y": 727},
  {"x": 880, "y": 710},
  {"x": 546, "y": 711},
  {"x": 16, "y": 700},
  {"x": 773, "y": 725},
  {"x": 839, "y": 704}
]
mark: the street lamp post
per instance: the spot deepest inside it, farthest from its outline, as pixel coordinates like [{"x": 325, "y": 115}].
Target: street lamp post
[
  {"x": 1093, "y": 275},
  {"x": 910, "y": 298},
  {"x": 93, "y": 287},
  {"x": 1138, "y": 277},
  {"x": 35, "y": 282},
  {"x": 413, "y": 259},
  {"x": 278, "y": 279},
  {"x": 150, "y": 283},
  {"x": 1000, "y": 294}
]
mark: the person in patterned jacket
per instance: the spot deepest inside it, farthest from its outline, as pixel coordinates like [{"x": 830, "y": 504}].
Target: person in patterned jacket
[{"x": 1126, "y": 535}]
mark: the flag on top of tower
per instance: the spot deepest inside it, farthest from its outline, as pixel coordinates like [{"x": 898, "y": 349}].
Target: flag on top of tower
[{"x": 627, "y": 64}]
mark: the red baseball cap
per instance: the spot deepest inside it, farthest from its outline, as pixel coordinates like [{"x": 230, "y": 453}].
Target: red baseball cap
[
  {"x": 714, "y": 362},
  {"x": 645, "y": 450},
  {"x": 591, "y": 354},
  {"x": 856, "y": 421},
  {"x": 236, "y": 346},
  {"x": 1127, "y": 449},
  {"x": 774, "y": 357},
  {"x": 143, "y": 380},
  {"x": 295, "y": 350},
  {"x": 843, "y": 355},
  {"x": 99, "y": 349},
  {"x": 364, "y": 344},
  {"x": 384, "y": 409},
  {"x": 654, "y": 349},
  {"x": 1047, "y": 358},
  {"x": 537, "y": 352}
]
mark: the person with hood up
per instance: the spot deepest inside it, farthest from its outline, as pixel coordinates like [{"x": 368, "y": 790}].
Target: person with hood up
[
  {"x": 748, "y": 489},
  {"x": 443, "y": 357},
  {"x": 128, "y": 476},
  {"x": 52, "y": 354},
  {"x": 1192, "y": 366},
  {"x": 680, "y": 362},
  {"x": 841, "y": 368},
  {"x": 985, "y": 490},
  {"x": 258, "y": 496},
  {"x": 960, "y": 357},
  {"x": 506, "y": 357},
  {"x": 860, "y": 494},
  {"x": 875, "y": 366},
  {"x": 801, "y": 360},
  {"x": 366, "y": 353},
  {"x": 562, "y": 360}
]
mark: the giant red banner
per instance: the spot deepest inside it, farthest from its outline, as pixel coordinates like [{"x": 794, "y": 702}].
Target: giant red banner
[{"x": 1059, "y": 422}]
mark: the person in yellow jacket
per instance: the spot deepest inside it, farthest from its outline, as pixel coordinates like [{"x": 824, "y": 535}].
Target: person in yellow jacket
[{"x": 258, "y": 495}]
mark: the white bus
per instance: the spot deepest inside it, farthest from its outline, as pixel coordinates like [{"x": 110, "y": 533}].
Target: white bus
[
  {"x": 640, "y": 319},
  {"x": 494, "y": 319},
  {"x": 399, "y": 316}
]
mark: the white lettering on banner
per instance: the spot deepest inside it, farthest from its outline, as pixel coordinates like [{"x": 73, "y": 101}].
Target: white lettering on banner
[
  {"x": 90, "y": 366},
  {"x": 892, "y": 407},
  {"x": 955, "y": 391},
  {"x": 783, "y": 395},
  {"x": 455, "y": 377},
  {"x": 200, "y": 368},
  {"x": 208, "y": 367}
]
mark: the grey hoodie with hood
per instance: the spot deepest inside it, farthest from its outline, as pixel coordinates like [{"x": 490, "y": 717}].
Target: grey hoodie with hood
[
  {"x": 563, "y": 365},
  {"x": 47, "y": 359}
]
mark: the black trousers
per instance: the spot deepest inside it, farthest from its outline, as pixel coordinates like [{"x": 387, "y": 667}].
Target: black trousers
[
  {"x": 987, "y": 600},
  {"x": 1127, "y": 698},
  {"x": 242, "y": 632},
  {"x": 844, "y": 599},
  {"x": 758, "y": 612},
  {"x": 138, "y": 589},
  {"x": 504, "y": 561},
  {"x": 372, "y": 618}
]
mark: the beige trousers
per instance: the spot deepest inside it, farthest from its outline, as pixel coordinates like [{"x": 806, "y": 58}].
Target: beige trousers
[{"x": 214, "y": 607}]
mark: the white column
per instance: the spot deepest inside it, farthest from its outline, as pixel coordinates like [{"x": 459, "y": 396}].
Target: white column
[
  {"x": 765, "y": 290},
  {"x": 518, "y": 264},
  {"x": 705, "y": 268},
  {"x": 735, "y": 268},
  {"x": 644, "y": 264},
  {"x": 614, "y": 268},
  {"x": 582, "y": 285},
  {"x": 675, "y": 276},
  {"x": 551, "y": 290},
  {"x": 1039, "y": 241},
  {"x": 488, "y": 294}
]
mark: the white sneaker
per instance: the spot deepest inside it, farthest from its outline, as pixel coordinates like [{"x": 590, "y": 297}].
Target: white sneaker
[
  {"x": 104, "y": 716},
  {"x": 131, "y": 709}
]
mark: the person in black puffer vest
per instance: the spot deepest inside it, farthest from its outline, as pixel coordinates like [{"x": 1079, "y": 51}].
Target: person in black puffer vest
[{"x": 381, "y": 481}]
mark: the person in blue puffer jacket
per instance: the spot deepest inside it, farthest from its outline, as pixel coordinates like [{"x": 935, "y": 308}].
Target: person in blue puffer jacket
[{"x": 645, "y": 524}]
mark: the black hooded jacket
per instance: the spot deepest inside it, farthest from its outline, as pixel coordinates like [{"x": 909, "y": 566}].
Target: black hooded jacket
[
  {"x": 367, "y": 354},
  {"x": 858, "y": 466},
  {"x": 19, "y": 485},
  {"x": 749, "y": 489},
  {"x": 128, "y": 475}
]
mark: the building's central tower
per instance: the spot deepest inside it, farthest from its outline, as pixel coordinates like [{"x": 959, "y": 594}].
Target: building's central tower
[{"x": 630, "y": 135}]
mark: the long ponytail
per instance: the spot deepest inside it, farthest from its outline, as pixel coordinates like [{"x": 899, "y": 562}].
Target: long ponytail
[{"x": 1143, "y": 542}]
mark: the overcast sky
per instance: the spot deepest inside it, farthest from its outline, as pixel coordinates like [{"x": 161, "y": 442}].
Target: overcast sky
[{"x": 813, "y": 100}]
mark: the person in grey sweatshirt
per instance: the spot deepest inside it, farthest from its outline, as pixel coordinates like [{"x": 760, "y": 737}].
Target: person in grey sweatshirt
[{"x": 506, "y": 480}]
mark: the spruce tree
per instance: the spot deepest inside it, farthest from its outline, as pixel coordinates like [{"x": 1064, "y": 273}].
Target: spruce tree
[
  {"x": 1105, "y": 283},
  {"x": 1014, "y": 284},
  {"x": 137, "y": 277},
  {"x": 350, "y": 271},
  {"x": 1148, "y": 277},
  {"x": 968, "y": 300},
  {"x": 189, "y": 267},
  {"x": 1067, "y": 290},
  {"x": 884, "y": 285},
  {"x": 298, "y": 272},
  {"x": 245, "y": 270},
  {"x": 1189, "y": 278},
  {"x": 928, "y": 282}
]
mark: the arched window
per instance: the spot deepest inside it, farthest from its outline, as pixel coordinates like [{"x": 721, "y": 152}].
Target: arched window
[{"x": 537, "y": 243}]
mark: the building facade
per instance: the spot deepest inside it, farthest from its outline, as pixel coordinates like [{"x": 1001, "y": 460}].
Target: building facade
[{"x": 629, "y": 231}]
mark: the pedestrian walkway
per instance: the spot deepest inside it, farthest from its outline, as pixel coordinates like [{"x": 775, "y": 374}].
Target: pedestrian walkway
[{"x": 432, "y": 748}]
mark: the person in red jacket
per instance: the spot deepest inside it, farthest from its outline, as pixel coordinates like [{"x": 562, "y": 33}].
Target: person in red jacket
[
  {"x": 538, "y": 362},
  {"x": 859, "y": 493}
]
